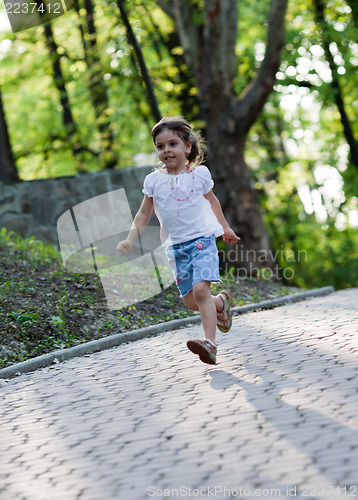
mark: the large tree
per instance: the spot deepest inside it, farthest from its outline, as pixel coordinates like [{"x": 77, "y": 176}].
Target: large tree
[{"x": 208, "y": 33}]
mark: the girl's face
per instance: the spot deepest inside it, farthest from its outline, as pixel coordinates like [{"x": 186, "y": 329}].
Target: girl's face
[{"x": 172, "y": 150}]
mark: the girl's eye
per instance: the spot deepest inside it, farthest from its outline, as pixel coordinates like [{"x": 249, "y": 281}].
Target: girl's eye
[{"x": 173, "y": 144}]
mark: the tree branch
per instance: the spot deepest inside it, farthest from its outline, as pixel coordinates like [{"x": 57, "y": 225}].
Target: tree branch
[
  {"x": 250, "y": 105},
  {"x": 188, "y": 31},
  {"x": 336, "y": 87},
  {"x": 220, "y": 37},
  {"x": 132, "y": 40}
]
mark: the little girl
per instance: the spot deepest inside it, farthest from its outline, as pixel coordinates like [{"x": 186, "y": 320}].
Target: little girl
[{"x": 182, "y": 198}]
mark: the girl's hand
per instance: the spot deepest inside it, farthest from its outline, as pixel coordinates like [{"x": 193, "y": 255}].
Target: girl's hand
[
  {"x": 124, "y": 246},
  {"x": 229, "y": 236}
]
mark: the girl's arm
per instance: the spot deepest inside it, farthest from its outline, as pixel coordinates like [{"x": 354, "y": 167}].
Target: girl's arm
[
  {"x": 140, "y": 221},
  {"x": 229, "y": 235}
]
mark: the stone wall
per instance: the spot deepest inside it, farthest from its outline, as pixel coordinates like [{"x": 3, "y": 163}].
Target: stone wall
[{"x": 32, "y": 208}]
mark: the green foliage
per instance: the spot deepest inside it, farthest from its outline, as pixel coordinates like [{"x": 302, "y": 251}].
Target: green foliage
[
  {"x": 30, "y": 96},
  {"x": 299, "y": 154},
  {"x": 251, "y": 41},
  {"x": 35, "y": 251},
  {"x": 311, "y": 253},
  {"x": 296, "y": 150}
]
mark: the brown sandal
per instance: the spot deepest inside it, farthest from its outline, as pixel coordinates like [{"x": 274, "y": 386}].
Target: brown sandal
[{"x": 204, "y": 349}]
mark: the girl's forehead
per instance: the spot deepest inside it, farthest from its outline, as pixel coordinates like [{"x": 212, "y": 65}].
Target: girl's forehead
[{"x": 167, "y": 135}]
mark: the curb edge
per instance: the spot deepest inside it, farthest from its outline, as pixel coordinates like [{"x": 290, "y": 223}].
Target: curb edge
[{"x": 102, "y": 344}]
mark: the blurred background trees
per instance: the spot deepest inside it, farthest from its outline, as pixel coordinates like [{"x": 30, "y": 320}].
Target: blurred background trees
[{"x": 83, "y": 92}]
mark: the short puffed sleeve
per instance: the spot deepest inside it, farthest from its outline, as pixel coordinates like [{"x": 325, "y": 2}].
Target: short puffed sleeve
[
  {"x": 148, "y": 184},
  {"x": 204, "y": 176}
]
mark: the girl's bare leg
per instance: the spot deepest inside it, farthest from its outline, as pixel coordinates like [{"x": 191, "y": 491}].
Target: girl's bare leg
[
  {"x": 200, "y": 298},
  {"x": 190, "y": 302}
]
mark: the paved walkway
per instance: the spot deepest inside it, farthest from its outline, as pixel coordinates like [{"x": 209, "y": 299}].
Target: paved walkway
[{"x": 277, "y": 417}]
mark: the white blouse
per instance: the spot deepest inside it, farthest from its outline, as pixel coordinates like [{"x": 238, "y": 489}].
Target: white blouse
[{"x": 180, "y": 206}]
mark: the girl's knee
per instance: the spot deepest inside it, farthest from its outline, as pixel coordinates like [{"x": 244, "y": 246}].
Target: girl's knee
[{"x": 202, "y": 291}]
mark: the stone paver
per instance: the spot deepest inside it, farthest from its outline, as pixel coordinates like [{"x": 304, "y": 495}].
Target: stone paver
[{"x": 277, "y": 417}]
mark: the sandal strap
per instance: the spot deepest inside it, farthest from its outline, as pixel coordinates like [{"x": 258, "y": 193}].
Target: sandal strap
[
  {"x": 225, "y": 324},
  {"x": 226, "y": 298}
]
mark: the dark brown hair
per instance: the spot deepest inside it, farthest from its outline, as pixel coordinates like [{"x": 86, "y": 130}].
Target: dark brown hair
[{"x": 186, "y": 132}]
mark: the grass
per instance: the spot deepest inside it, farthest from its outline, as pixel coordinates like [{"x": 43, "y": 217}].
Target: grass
[{"x": 44, "y": 306}]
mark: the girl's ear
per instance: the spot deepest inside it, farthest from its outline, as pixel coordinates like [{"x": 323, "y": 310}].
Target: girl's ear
[{"x": 189, "y": 145}]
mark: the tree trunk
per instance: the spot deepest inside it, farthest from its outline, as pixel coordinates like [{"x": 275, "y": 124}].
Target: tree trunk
[
  {"x": 209, "y": 50},
  {"x": 132, "y": 40},
  {"x": 235, "y": 187},
  {"x": 8, "y": 171},
  {"x": 98, "y": 92},
  {"x": 59, "y": 80}
]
